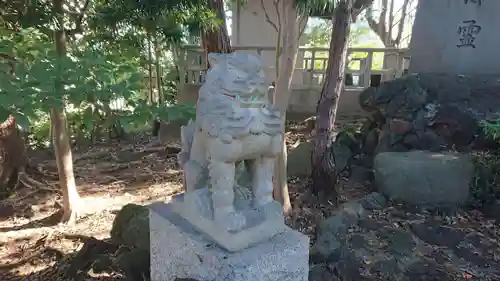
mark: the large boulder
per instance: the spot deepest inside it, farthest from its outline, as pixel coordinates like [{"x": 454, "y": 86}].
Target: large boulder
[
  {"x": 424, "y": 178},
  {"x": 332, "y": 231},
  {"x": 131, "y": 227},
  {"x": 431, "y": 112},
  {"x": 299, "y": 158}
]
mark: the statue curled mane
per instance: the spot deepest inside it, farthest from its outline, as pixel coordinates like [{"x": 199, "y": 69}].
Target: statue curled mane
[{"x": 236, "y": 91}]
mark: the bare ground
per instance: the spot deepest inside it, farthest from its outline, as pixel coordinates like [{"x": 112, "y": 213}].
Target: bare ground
[
  {"x": 34, "y": 247},
  {"x": 108, "y": 177}
]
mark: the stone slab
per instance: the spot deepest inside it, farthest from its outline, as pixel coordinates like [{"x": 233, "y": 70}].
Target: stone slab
[
  {"x": 179, "y": 251},
  {"x": 261, "y": 224},
  {"x": 441, "y": 43},
  {"x": 424, "y": 178}
]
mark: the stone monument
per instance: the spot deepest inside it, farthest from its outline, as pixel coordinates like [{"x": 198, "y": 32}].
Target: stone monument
[
  {"x": 455, "y": 37},
  {"x": 226, "y": 226}
]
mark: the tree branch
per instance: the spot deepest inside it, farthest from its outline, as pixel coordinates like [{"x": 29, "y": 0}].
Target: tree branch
[
  {"x": 371, "y": 22},
  {"x": 397, "y": 41},
  {"x": 84, "y": 10},
  {"x": 275, "y": 3},
  {"x": 390, "y": 25},
  {"x": 78, "y": 24},
  {"x": 303, "y": 18},
  {"x": 382, "y": 20},
  {"x": 268, "y": 19},
  {"x": 378, "y": 27},
  {"x": 359, "y": 6},
  {"x": 280, "y": 28}
]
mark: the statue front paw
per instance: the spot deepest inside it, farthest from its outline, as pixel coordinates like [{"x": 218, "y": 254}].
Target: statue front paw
[{"x": 234, "y": 221}]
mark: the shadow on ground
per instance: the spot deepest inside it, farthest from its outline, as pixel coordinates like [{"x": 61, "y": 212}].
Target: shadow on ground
[
  {"x": 96, "y": 260},
  {"x": 100, "y": 172},
  {"x": 47, "y": 221}
]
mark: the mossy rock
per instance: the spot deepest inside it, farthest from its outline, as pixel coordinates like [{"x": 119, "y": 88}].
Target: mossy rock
[
  {"x": 298, "y": 160},
  {"x": 131, "y": 227}
]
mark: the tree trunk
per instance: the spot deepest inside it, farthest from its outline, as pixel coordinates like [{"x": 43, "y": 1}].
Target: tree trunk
[
  {"x": 323, "y": 176},
  {"x": 15, "y": 159},
  {"x": 12, "y": 148},
  {"x": 158, "y": 70},
  {"x": 288, "y": 56},
  {"x": 150, "y": 70},
  {"x": 62, "y": 145},
  {"x": 216, "y": 40}
]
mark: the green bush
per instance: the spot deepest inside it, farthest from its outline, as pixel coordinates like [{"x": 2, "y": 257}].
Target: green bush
[
  {"x": 85, "y": 83},
  {"x": 485, "y": 187}
]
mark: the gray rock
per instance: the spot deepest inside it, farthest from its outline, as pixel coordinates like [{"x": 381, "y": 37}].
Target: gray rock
[
  {"x": 360, "y": 174},
  {"x": 424, "y": 178},
  {"x": 373, "y": 201},
  {"x": 131, "y": 227},
  {"x": 299, "y": 164},
  {"x": 320, "y": 273},
  {"x": 331, "y": 234},
  {"x": 354, "y": 209},
  {"x": 332, "y": 231},
  {"x": 370, "y": 140},
  {"x": 435, "y": 234},
  {"x": 171, "y": 130},
  {"x": 298, "y": 161}
]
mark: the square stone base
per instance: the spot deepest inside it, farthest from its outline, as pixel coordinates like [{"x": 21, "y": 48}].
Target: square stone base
[
  {"x": 179, "y": 251},
  {"x": 260, "y": 223}
]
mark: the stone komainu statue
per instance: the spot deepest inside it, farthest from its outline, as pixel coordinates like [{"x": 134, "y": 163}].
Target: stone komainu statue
[{"x": 234, "y": 122}]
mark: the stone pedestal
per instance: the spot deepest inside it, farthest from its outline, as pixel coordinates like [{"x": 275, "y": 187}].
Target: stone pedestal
[
  {"x": 179, "y": 251},
  {"x": 260, "y": 224}
]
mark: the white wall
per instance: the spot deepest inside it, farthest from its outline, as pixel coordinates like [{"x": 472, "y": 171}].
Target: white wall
[{"x": 250, "y": 27}]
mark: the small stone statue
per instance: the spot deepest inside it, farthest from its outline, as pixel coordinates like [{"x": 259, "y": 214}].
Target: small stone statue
[{"x": 235, "y": 122}]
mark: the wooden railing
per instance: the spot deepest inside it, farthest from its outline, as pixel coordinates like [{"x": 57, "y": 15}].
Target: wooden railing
[{"x": 366, "y": 66}]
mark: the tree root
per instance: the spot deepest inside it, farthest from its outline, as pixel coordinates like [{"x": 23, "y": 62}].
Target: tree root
[
  {"x": 31, "y": 183},
  {"x": 93, "y": 155},
  {"x": 25, "y": 180}
]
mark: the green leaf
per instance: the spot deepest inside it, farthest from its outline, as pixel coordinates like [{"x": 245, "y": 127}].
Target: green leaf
[
  {"x": 22, "y": 122},
  {"x": 4, "y": 114},
  {"x": 127, "y": 126}
]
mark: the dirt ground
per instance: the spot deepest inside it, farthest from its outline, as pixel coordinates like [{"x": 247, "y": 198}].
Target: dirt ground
[{"x": 108, "y": 177}]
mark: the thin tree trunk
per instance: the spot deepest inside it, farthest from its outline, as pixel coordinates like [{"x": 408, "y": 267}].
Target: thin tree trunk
[
  {"x": 62, "y": 146},
  {"x": 158, "y": 70},
  {"x": 150, "y": 70},
  {"x": 323, "y": 176},
  {"x": 288, "y": 50},
  {"x": 216, "y": 40}
]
